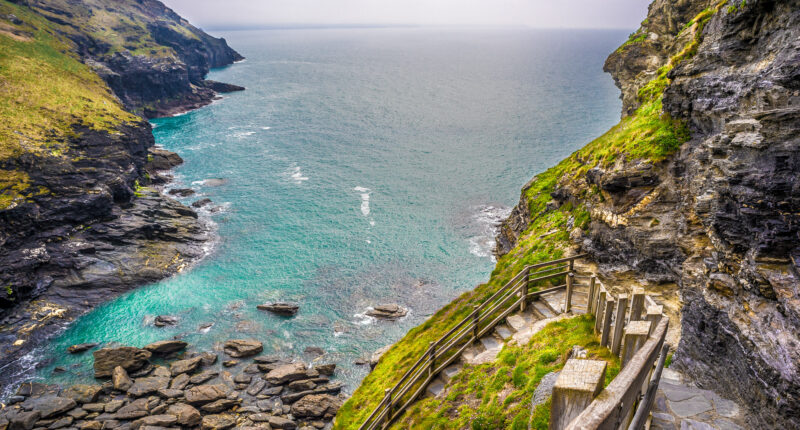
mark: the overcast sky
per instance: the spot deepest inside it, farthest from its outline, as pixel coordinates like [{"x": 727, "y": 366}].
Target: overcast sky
[{"x": 533, "y": 13}]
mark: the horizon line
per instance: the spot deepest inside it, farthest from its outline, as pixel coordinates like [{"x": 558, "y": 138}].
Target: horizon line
[{"x": 322, "y": 26}]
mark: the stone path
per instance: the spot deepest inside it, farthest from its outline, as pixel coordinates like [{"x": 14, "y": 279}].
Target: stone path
[{"x": 680, "y": 405}]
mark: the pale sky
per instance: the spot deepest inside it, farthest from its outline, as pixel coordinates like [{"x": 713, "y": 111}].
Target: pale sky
[{"x": 533, "y": 13}]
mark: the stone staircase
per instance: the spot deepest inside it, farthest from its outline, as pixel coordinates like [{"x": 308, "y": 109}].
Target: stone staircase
[{"x": 519, "y": 327}]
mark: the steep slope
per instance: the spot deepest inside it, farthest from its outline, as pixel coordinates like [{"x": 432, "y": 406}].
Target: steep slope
[
  {"x": 77, "y": 224},
  {"x": 694, "y": 194}
]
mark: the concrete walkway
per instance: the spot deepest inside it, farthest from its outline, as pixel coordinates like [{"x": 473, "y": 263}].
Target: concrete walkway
[{"x": 680, "y": 405}]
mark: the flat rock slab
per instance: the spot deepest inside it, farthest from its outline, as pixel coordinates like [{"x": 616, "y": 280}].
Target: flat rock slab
[
  {"x": 690, "y": 407},
  {"x": 280, "y": 308},
  {"x": 389, "y": 311}
]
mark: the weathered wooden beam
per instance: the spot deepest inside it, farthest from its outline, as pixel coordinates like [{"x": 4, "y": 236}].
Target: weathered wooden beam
[
  {"x": 615, "y": 403},
  {"x": 568, "y": 295},
  {"x": 590, "y": 309},
  {"x": 654, "y": 314},
  {"x": 619, "y": 323},
  {"x": 599, "y": 314},
  {"x": 637, "y": 304},
  {"x": 636, "y": 333},
  {"x": 579, "y": 382},
  {"x": 605, "y": 334}
]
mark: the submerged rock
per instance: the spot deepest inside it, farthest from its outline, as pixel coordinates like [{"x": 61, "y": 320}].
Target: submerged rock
[
  {"x": 200, "y": 203},
  {"x": 81, "y": 347},
  {"x": 165, "y": 320}
]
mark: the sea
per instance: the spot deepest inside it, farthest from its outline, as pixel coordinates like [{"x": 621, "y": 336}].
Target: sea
[{"x": 361, "y": 166}]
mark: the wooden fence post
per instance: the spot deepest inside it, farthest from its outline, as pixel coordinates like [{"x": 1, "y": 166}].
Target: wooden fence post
[
  {"x": 605, "y": 334},
  {"x": 636, "y": 334},
  {"x": 579, "y": 382},
  {"x": 599, "y": 313},
  {"x": 524, "y": 290},
  {"x": 568, "y": 298},
  {"x": 432, "y": 358},
  {"x": 590, "y": 301},
  {"x": 387, "y": 399},
  {"x": 637, "y": 304},
  {"x": 619, "y": 323},
  {"x": 654, "y": 314},
  {"x": 475, "y": 313}
]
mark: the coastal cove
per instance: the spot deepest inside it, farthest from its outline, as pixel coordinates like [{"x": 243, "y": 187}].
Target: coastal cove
[{"x": 360, "y": 167}]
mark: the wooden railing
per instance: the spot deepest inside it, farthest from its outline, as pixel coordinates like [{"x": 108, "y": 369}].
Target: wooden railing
[
  {"x": 484, "y": 317},
  {"x": 638, "y": 336}
]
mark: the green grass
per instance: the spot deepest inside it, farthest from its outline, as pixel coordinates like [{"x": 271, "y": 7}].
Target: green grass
[
  {"x": 498, "y": 396},
  {"x": 44, "y": 92}
]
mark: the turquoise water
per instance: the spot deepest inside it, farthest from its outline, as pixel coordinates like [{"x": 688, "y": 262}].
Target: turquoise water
[{"x": 361, "y": 166}]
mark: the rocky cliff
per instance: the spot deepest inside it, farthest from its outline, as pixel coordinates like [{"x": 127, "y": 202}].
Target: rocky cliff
[
  {"x": 710, "y": 216},
  {"x": 78, "y": 222}
]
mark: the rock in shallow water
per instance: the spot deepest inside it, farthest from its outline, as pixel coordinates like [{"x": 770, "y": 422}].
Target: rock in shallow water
[
  {"x": 389, "y": 311},
  {"x": 166, "y": 346},
  {"x": 127, "y": 357},
  {"x": 81, "y": 347},
  {"x": 280, "y": 308},
  {"x": 238, "y": 348},
  {"x": 165, "y": 320}
]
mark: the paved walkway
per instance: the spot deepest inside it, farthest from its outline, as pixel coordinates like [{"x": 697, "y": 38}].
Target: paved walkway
[{"x": 680, "y": 405}]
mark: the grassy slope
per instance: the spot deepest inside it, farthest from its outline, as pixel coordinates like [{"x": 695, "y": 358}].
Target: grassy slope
[
  {"x": 44, "y": 91},
  {"x": 648, "y": 134},
  {"x": 498, "y": 395}
]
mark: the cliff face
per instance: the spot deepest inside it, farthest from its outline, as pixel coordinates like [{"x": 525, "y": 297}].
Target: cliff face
[
  {"x": 78, "y": 223},
  {"x": 718, "y": 216},
  {"x": 154, "y": 60}
]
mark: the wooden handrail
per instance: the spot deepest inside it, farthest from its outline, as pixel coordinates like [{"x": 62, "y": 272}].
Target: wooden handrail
[{"x": 448, "y": 348}]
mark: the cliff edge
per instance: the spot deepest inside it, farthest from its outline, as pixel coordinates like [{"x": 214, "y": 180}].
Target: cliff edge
[{"x": 79, "y": 222}]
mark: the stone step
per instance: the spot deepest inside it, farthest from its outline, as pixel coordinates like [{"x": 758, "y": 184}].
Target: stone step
[
  {"x": 543, "y": 309},
  {"x": 435, "y": 387},
  {"x": 503, "y": 331},
  {"x": 471, "y": 352},
  {"x": 517, "y": 321},
  {"x": 450, "y": 371},
  {"x": 491, "y": 342},
  {"x": 554, "y": 302}
]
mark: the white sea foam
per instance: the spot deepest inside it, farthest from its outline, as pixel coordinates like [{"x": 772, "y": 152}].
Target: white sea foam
[
  {"x": 243, "y": 134},
  {"x": 266, "y": 128},
  {"x": 486, "y": 222},
  {"x": 297, "y": 175},
  {"x": 363, "y": 319},
  {"x": 364, "y": 199}
]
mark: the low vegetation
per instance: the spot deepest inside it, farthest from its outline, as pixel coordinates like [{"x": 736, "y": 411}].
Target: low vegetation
[{"x": 45, "y": 91}]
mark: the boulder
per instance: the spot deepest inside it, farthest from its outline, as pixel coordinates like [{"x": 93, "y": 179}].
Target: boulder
[
  {"x": 389, "y": 311},
  {"x": 127, "y": 357},
  {"x": 286, "y": 373},
  {"x": 200, "y": 203},
  {"x": 163, "y": 420},
  {"x": 187, "y": 415},
  {"x": 280, "y": 308},
  {"x": 49, "y": 406},
  {"x": 316, "y": 406},
  {"x": 24, "y": 420},
  {"x": 165, "y": 347},
  {"x": 81, "y": 347},
  {"x": 179, "y": 382},
  {"x": 203, "y": 377},
  {"x": 219, "y": 405},
  {"x": 135, "y": 409},
  {"x": 161, "y": 159},
  {"x": 326, "y": 369},
  {"x": 120, "y": 379},
  {"x": 82, "y": 393},
  {"x": 238, "y": 348},
  {"x": 218, "y": 422},
  {"x": 181, "y": 192},
  {"x": 149, "y": 385},
  {"x": 203, "y": 394},
  {"x": 185, "y": 366},
  {"x": 165, "y": 320},
  {"x": 281, "y": 423}
]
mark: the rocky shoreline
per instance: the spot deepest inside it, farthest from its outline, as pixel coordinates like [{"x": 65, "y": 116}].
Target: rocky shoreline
[{"x": 164, "y": 386}]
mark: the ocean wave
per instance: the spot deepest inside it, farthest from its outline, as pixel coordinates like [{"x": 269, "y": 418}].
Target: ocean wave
[
  {"x": 364, "y": 199},
  {"x": 296, "y": 174},
  {"x": 243, "y": 134},
  {"x": 363, "y": 318},
  {"x": 486, "y": 222}
]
